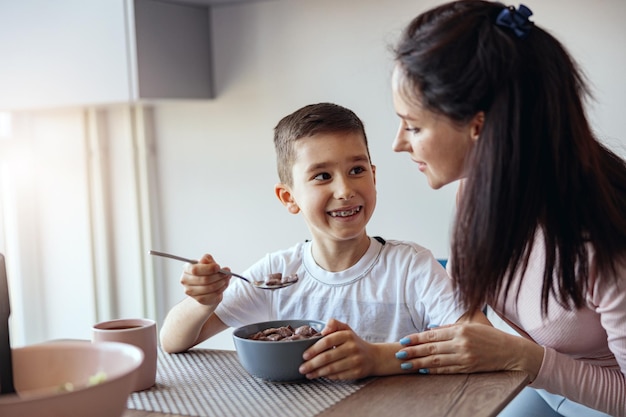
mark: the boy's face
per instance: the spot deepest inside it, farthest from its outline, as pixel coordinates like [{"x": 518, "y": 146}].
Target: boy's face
[{"x": 333, "y": 185}]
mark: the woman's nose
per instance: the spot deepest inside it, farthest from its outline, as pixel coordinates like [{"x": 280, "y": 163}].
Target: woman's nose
[{"x": 400, "y": 144}]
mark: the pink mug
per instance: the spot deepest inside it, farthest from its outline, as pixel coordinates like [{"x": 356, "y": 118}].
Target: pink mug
[{"x": 139, "y": 332}]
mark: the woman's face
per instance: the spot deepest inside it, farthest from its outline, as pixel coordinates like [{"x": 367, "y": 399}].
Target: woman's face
[{"x": 437, "y": 145}]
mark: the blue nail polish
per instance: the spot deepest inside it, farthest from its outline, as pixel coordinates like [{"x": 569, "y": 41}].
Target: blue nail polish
[
  {"x": 405, "y": 341},
  {"x": 401, "y": 355},
  {"x": 432, "y": 326},
  {"x": 406, "y": 365},
  {"x": 423, "y": 371}
]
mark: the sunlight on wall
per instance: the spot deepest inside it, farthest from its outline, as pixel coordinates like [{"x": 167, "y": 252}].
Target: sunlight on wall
[
  {"x": 16, "y": 181},
  {"x": 5, "y": 125},
  {"x": 5, "y": 133}
]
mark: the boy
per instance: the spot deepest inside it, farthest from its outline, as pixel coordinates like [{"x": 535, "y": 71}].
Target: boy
[{"x": 385, "y": 289}]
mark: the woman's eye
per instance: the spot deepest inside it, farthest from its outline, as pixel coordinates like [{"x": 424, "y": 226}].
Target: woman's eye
[
  {"x": 357, "y": 170},
  {"x": 413, "y": 130},
  {"x": 322, "y": 177}
]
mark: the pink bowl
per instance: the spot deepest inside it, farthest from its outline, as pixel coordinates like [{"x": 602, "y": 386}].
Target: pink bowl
[{"x": 42, "y": 371}]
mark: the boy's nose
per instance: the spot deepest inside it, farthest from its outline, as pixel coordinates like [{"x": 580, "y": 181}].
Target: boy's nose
[{"x": 343, "y": 190}]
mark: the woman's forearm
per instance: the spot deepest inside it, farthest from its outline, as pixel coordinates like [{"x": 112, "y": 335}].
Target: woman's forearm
[{"x": 526, "y": 356}]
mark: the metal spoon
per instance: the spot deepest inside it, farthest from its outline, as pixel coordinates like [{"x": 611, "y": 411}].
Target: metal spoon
[{"x": 273, "y": 282}]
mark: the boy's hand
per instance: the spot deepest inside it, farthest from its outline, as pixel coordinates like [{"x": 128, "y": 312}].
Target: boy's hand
[
  {"x": 203, "y": 282},
  {"x": 340, "y": 354}
]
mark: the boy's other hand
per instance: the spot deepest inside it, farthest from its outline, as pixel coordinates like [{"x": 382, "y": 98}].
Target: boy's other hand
[{"x": 339, "y": 355}]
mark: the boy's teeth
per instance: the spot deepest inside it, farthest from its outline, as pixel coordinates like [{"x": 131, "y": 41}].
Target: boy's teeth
[{"x": 345, "y": 213}]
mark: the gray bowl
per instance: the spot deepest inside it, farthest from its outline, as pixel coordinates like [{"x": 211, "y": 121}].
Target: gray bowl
[{"x": 273, "y": 361}]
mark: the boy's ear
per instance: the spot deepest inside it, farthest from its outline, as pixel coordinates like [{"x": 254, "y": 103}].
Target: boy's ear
[
  {"x": 286, "y": 198},
  {"x": 374, "y": 173}
]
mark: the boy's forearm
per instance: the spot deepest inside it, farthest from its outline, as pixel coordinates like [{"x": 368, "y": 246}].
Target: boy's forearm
[
  {"x": 183, "y": 325},
  {"x": 385, "y": 361}
]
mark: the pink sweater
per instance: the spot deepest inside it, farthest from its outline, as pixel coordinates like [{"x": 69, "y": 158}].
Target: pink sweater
[{"x": 585, "y": 350}]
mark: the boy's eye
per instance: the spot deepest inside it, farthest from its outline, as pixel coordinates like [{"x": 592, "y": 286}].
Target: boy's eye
[
  {"x": 322, "y": 177},
  {"x": 357, "y": 170}
]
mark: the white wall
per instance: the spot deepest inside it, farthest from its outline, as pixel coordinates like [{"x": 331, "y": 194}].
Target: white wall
[{"x": 214, "y": 159}]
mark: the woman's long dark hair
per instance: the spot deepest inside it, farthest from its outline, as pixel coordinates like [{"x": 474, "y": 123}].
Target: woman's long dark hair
[{"x": 536, "y": 167}]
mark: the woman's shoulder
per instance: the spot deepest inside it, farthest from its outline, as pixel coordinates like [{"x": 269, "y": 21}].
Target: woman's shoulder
[{"x": 609, "y": 286}]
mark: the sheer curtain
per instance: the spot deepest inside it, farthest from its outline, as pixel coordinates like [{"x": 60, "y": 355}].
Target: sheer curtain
[{"x": 77, "y": 216}]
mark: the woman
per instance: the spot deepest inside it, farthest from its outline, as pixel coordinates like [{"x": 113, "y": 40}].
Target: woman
[{"x": 487, "y": 97}]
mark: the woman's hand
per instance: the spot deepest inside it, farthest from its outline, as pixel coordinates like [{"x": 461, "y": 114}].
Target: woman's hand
[
  {"x": 467, "y": 348},
  {"x": 203, "y": 282},
  {"x": 340, "y": 354}
]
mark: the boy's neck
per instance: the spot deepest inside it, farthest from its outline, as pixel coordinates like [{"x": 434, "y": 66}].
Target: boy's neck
[{"x": 339, "y": 256}]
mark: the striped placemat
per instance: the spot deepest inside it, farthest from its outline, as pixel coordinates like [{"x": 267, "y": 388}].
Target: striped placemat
[{"x": 205, "y": 382}]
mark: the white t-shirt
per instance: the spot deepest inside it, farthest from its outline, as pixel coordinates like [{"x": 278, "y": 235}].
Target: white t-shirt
[{"x": 396, "y": 289}]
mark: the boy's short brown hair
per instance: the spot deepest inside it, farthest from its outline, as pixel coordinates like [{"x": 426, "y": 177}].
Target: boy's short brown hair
[{"x": 308, "y": 121}]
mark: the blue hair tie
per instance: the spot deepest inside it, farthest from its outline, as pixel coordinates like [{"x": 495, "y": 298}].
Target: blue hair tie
[{"x": 517, "y": 20}]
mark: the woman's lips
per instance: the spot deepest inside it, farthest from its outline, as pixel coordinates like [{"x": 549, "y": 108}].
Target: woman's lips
[{"x": 420, "y": 164}]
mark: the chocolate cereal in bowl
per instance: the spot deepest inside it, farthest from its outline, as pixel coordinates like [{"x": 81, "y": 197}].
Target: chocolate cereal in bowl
[{"x": 272, "y": 350}]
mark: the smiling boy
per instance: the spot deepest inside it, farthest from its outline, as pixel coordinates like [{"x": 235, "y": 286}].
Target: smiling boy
[{"x": 371, "y": 292}]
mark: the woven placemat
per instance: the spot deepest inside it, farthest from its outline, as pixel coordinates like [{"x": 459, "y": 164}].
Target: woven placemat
[{"x": 213, "y": 383}]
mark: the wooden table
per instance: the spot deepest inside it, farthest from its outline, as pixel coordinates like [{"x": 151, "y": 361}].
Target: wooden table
[{"x": 472, "y": 395}]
